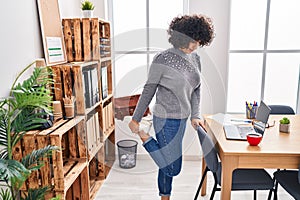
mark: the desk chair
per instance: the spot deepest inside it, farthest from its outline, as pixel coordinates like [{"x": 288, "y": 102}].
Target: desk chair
[
  {"x": 289, "y": 180},
  {"x": 242, "y": 179},
  {"x": 281, "y": 110}
]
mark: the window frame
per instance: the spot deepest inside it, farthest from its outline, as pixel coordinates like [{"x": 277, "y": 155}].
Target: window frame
[
  {"x": 148, "y": 50},
  {"x": 265, "y": 51}
]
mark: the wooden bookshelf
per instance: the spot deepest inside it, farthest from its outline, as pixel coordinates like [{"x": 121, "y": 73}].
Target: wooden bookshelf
[
  {"x": 66, "y": 171},
  {"x": 88, "y": 44}
]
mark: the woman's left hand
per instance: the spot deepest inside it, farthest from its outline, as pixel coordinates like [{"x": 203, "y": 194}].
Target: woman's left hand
[{"x": 198, "y": 122}]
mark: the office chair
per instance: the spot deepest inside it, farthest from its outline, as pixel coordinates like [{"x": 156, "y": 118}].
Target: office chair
[
  {"x": 242, "y": 179},
  {"x": 281, "y": 110},
  {"x": 289, "y": 180}
]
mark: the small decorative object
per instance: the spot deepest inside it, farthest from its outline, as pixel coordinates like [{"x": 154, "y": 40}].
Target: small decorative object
[
  {"x": 87, "y": 8},
  {"x": 284, "y": 125},
  {"x": 254, "y": 138},
  {"x": 57, "y": 110}
]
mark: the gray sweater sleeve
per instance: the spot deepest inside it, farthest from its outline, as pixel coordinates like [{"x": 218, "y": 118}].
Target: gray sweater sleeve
[
  {"x": 195, "y": 101},
  {"x": 149, "y": 90}
]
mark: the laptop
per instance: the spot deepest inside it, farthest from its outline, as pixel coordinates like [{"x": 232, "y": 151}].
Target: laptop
[{"x": 240, "y": 132}]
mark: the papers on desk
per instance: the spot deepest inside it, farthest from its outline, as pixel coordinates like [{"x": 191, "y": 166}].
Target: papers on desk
[{"x": 229, "y": 119}]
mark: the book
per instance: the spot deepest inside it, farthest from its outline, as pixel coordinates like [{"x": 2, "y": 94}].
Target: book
[
  {"x": 87, "y": 88},
  {"x": 94, "y": 86},
  {"x": 104, "y": 83}
]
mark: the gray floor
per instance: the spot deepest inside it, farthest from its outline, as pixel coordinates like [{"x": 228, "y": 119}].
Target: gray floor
[{"x": 139, "y": 183}]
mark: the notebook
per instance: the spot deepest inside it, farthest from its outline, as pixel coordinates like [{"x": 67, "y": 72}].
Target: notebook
[{"x": 240, "y": 132}]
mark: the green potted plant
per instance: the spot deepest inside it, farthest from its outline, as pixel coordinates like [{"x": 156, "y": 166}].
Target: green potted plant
[
  {"x": 87, "y": 8},
  {"x": 284, "y": 125},
  {"x": 18, "y": 114}
]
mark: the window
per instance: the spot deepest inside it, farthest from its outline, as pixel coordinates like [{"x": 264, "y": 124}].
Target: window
[
  {"x": 140, "y": 31},
  {"x": 264, "y": 54}
]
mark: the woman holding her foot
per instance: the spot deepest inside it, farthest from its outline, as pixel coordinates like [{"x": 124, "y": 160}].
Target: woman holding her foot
[{"x": 174, "y": 77}]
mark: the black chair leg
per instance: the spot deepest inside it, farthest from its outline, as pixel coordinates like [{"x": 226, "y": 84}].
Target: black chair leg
[
  {"x": 275, "y": 190},
  {"x": 201, "y": 183},
  {"x": 215, "y": 187},
  {"x": 270, "y": 194},
  {"x": 254, "y": 195}
]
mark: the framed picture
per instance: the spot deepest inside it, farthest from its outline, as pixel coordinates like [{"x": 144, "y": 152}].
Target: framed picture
[{"x": 52, "y": 34}]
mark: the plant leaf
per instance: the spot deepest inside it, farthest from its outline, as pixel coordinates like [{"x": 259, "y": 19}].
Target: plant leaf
[
  {"x": 3, "y": 127},
  {"x": 13, "y": 170},
  {"x": 5, "y": 194},
  {"x": 3, "y": 153},
  {"x": 27, "y": 120},
  {"x": 87, "y": 5},
  {"x": 39, "y": 76},
  {"x": 32, "y": 161},
  {"x": 36, "y": 194},
  {"x": 34, "y": 92}
]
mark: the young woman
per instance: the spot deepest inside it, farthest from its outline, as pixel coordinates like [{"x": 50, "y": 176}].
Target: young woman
[{"x": 174, "y": 77}]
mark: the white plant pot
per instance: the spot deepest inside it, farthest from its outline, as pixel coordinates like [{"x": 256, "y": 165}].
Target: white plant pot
[
  {"x": 87, "y": 13},
  {"x": 284, "y": 128}
]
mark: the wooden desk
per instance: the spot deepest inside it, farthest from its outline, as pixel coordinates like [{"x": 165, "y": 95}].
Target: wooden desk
[{"x": 276, "y": 150}]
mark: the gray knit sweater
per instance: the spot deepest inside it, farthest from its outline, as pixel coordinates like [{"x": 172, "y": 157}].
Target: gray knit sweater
[{"x": 175, "y": 78}]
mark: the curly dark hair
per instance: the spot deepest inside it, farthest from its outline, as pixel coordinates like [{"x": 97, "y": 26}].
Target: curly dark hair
[{"x": 191, "y": 28}]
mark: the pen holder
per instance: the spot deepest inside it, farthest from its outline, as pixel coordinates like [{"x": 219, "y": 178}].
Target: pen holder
[{"x": 251, "y": 112}]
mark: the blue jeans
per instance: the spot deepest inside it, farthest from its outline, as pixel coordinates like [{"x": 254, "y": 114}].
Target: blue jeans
[{"x": 166, "y": 150}]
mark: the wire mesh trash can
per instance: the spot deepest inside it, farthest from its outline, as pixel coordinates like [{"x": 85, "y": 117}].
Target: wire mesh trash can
[{"x": 127, "y": 153}]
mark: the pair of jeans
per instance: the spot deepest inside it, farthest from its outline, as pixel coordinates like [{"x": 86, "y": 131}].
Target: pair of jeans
[{"x": 166, "y": 150}]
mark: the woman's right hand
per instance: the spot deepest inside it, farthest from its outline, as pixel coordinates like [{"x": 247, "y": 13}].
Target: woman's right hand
[{"x": 134, "y": 126}]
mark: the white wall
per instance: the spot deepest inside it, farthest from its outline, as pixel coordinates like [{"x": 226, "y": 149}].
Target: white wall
[
  {"x": 215, "y": 59},
  {"x": 20, "y": 40}
]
